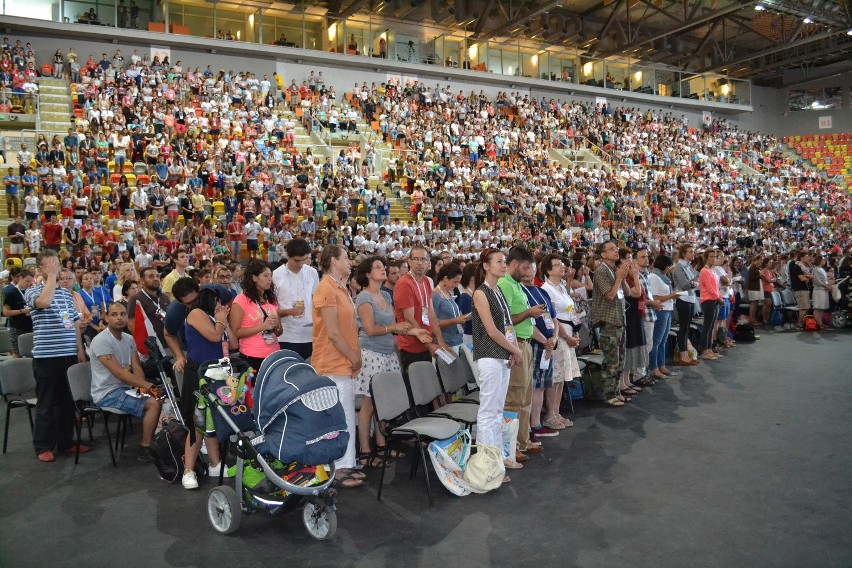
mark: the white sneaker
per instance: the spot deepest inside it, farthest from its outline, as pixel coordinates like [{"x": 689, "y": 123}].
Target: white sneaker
[
  {"x": 214, "y": 471},
  {"x": 189, "y": 480}
]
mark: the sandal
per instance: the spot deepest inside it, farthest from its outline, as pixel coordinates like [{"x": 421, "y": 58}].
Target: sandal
[
  {"x": 348, "y": 480},
  {"x": 614, "y": 402},
  {"x": 630, "y": 391},
  {"x": 369, "y": 459},
  {"x": 392, "y": 454}
]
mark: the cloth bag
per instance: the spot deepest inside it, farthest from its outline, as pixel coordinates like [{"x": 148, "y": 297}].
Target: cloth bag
[
  {"x": 449, "y": 458},
  {"x": 509, "y": 429},
  {"x": 485, "y": 470}
]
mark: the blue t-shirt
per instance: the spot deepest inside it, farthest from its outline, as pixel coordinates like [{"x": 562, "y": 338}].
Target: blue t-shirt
[
  {"x": 465, "y": 302},
  {"x": 538, "y": 296},
  {"x": 11, "y": 183},
  {"x": 448, "y": 309}
]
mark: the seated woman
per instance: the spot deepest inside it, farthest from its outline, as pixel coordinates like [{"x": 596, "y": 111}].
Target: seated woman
[{"x": 208, "y": 336}]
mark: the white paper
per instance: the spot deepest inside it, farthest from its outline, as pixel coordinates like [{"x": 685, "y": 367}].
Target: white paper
[{"x": 446, "y": 356}]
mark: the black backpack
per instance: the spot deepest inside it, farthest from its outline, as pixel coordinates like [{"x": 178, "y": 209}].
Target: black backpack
[
  {"x": 745, "y": 333},
  {"x": 167, "y": 449}
]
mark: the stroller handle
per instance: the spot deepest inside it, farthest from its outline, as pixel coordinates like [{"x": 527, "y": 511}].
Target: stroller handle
[{"x": 244, "y": 444}]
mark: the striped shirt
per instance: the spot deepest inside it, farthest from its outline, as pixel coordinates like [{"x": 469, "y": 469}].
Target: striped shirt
[
  {"x": 650, "y": 314},
  {"x": 54, "y": 328}
]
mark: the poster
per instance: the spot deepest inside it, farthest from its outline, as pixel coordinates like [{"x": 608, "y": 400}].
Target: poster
[
  {"x": 706, "y": 118},
  {"x": 600, "y": 101},
  {"x": 824, "y": 122},
  {"x": 161, "y": 52}
]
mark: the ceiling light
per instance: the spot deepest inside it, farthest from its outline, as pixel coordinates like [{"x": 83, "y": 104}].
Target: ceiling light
[
  {"x": 760, "y": 7},
  {"x": 808, "y": 21},
  {"x": 849, "y": 32}
]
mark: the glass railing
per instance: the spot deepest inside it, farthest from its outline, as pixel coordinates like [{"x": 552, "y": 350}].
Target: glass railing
[{"x": 361, "y": 35}]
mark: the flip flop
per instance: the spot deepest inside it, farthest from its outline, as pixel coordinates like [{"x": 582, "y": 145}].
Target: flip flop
[
  {"x": 614, "y": 402},
  {"x": 348, "y": 480}
]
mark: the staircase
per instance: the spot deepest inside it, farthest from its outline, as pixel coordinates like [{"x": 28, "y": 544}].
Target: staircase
[
  {"x": 304, "y": 139},
  {"x": 54, "y": 105}
]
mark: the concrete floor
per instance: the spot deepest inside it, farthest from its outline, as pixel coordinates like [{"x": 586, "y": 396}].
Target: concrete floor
[{"x": 742, "y": 462}]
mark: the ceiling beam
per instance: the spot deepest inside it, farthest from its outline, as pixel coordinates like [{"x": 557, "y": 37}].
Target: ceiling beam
[
  {"x": 686, "y": 26},
  {"x": 482, "y": 17},
  {"x": 707, "y": 37},
  {"x": 352, "y": 8},
  {"x": 501, "y": 29},
  {"x": 774, "y": 49},
  {"x": 661, "y": 11}
]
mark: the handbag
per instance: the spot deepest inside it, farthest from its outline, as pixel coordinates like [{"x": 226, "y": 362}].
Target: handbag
[
  {"x": 449, "y": 458},
  {"x": 836, "y": 295},
  {"x": 485, "y": 470},
  {"x": 509, "y": 430}
]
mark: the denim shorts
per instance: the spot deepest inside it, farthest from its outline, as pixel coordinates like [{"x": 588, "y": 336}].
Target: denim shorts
[{"x": 118, "y": 399}]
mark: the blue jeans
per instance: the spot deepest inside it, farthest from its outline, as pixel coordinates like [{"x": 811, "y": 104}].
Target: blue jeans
[{"x": 657, "y": 357}]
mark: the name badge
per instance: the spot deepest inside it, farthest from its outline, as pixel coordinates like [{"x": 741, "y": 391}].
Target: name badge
[
  {"x": 67, "y": 320},
  {"x": 620, "y": 294},
  {"x": 510, "y": 333},
  {"x": 269, "y": 337},
  {"x": 548, "y": 321},
  {"x": 424, "y": 316}
]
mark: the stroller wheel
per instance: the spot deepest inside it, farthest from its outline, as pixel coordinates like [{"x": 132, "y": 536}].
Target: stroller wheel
[
  {"x": 839, "y": 319},
  {"x": 224, "y": 509},
  {"x": 321, "y": 521}
]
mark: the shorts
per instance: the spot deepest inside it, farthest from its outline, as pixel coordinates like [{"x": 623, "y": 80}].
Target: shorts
[
  {"x": 16, "y": 248},
  {"x": 803, "y": 299},
  {"x": 724, "y": 310},
  {"x": 31, "y": 216},
  {"x": 251, "y": 244},
  {"x": 14, "y": 332},
  {"x": 373, "y": 363},
  {"x": 755, "y": 295},
  {"x": 542, "y": 378},
  {"x": 118, "y": 399}
]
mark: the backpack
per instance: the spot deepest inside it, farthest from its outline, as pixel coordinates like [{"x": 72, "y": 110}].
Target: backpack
[
  {"x": 745, "y": 333},
  {"x": 776, "y": 318},
  {"x": 167, "y": 450},
  {"x": 809, "y": 323}
]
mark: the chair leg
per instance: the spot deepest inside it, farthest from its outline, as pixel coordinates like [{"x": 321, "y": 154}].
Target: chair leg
[
  {"x": 425, "y": 472},
  {"x": 414, "y": 464},
  {"x": 382, "y": 474},
  {"x": 78, "y": 427},
  {"x": 6, "y": 430},
  {"x": 89, "y": 419},
  {"x": 30, "y": 414},
  {"x": 109, "y": 438}
]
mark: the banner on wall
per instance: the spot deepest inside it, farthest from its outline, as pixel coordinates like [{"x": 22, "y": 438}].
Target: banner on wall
[
  {"x": 394, "y": 79},
  {"x": 824, "y": 122},
  {"x": 161, "y": 52},
  {"x": 600, "y": 101},
  {"x": 706, "y": 118}
]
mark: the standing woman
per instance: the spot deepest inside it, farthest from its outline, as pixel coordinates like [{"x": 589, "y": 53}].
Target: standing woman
[
  {"x": 449, "y": 315},
  {"x": 495, "y": 349},
  {"x": 336, "y": 353},
  {"x": 378, "y": 348},
  {"x": 636, "y": 356},
  {"x": 711, "y": 299},
  {"x": 660, "y": 286},
  {"x": 254, "y": 315},
  {"x": 465, "y": 299},
  {"x": 565, "y": 365},
  {"x": 208, "y": 336},
  {"x": 822, "y": 287},
  {"x": 685, "y": 280}
]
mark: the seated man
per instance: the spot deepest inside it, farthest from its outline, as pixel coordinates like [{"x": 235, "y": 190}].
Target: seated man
[{"x": 115, "y": 369}]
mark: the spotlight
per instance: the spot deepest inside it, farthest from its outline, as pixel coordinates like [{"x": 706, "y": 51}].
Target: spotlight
[
  {"x": 849, "y": 32},
  {"x": 808, "y": 21},
  {"x": 760, "y": 7}
]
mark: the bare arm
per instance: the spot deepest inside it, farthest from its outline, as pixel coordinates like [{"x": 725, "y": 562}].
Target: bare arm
[
  {"x": 174, "y": 344},
  {"x": 134, "y": 378}
]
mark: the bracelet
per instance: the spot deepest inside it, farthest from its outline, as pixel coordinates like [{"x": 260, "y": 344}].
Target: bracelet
[
  {"x": 386, "y": 329},
  {"x": 221, "y": 322}
]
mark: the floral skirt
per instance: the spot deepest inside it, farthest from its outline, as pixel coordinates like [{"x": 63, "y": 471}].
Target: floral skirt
[
  {"x": 565, "y": 365},
  {"x": 372, "y": 364}
]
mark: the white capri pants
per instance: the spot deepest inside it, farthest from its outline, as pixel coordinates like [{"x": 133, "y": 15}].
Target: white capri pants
[
  {"x": 493, "y": 384},
  {"x": 346, "y": 390}
]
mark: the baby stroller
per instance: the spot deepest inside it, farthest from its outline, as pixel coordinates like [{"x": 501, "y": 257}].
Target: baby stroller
[{"x": 287, "y": 448}]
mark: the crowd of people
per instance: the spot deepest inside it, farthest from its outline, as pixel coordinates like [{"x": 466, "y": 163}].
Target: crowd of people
[{"x": 504, "y": 250}]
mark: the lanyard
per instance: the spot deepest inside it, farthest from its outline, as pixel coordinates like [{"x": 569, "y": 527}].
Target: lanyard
[
  {"x": 453, "y": 306},
  {"x": 422, "y": 292},
  {"x": 503, "y": 305},
  {"x": 90, "y": 296}
]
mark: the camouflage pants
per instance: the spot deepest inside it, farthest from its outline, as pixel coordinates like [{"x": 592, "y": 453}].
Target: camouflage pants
[{"x": 614, "y": 348}]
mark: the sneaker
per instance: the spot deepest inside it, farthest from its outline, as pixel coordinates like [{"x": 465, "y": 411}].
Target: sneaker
[
  {"x": 46, "y": 456},
  {"x": 144, "y": 455},
  {"x": 544, "y": 432},
  {"x": 214, "y": 471},
  {"x": 189, "y": 480},
  {"x": 83, "y": 449},
  {"x": 534, "y": 441}
]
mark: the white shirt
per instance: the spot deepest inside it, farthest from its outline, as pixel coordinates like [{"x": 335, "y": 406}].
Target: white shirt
[{"x": 291, "y": 288}]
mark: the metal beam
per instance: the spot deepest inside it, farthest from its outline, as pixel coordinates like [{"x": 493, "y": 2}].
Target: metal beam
[
  {"x": 774, "y": 49},
  {"x": 686, "y": 26},
  {"x": 547, "y": 6},
  {"x": 352, "y": 8},
  {"x": 482, "y": 17},
  {"x": 708, "y": 36},
  {"x": 661, "y": 11}
]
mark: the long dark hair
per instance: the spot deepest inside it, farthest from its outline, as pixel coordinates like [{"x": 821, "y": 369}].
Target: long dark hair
[
  {"x": 206, "y": 302},
  {"x": 255, "y": 268}
]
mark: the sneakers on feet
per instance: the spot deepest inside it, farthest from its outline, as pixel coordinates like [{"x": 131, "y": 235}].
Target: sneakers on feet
[
  {"x": 46, "y": 456},
  {"x": 189, "y": 480},
  {"x": 544, "y": 432},
  {"x": 214, "y": 471},
  {"x": 144, "y": 455},
  {"x": 534, "y": 441}
]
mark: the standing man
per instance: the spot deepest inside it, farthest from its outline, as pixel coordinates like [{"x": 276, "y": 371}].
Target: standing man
[
  {"x": 412, "y": 301},
  {"x": 800, "y": 283},
  {"x": 12, "y": 183},
  {"x": 392, "y": 278},
  {"x": 15, "y": 306},
  {"x": 16, "y": 232},
  {"x": 152, "y": 301},
  {"x": 519, "y": 395},
  {"x": 608, "y": 313},
  {"x": 235, "y": 234},
  {"x": 116, "y": 366},
  {"x": 181, "y": 259},
  {"x": 643, "y": 260},
  {"x": 295, "y": 282},
  {"x": 57, "y": 345}
]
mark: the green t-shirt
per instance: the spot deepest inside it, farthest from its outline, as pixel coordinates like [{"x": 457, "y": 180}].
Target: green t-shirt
[{"x": 517, "y": 300}]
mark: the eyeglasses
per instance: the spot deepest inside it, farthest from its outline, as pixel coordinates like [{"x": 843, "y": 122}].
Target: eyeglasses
[{"x": 423, "y": 259}]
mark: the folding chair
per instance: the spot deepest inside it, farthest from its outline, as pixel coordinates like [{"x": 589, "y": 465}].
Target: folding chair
[
  {"x": 18, "y": 385},
  {"x": 25, "y": 345},
  {"x": 80, "y": 381},
  {"x": 455, "y": 377},
  {"x": 390, "y": 399},
  {"x": 791, "y": 306}
]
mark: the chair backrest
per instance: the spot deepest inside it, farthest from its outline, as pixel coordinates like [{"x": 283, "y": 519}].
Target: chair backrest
[
  {"x": 5, "y": 340},
  {"x": 471, "y": 369},
  {"x": 585, "y": 339},
  {"x": 776, "y": 299},
  {"x": 390, "y": 397},
  {"x": 423, "y": 379},
  {"x": 452, "y": 375},
  {"x": 16, "y": 377},
  {"x": 788, "y": 297},
  {"x": 80, "y": 381},
  {"x": 25, "y": 345}
]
